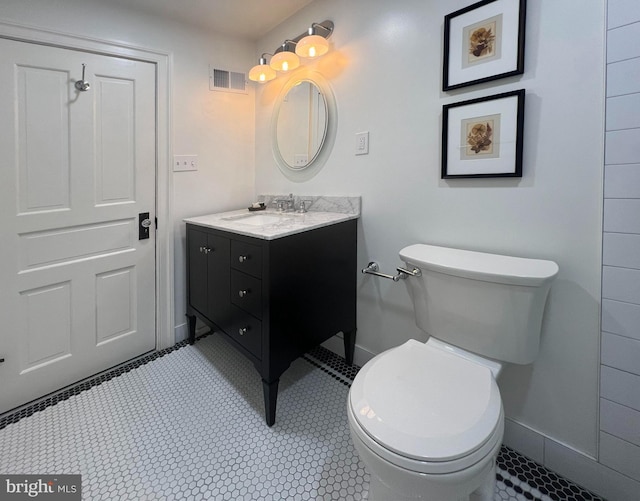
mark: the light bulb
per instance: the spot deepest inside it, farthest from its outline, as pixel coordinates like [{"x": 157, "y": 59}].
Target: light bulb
[
  {"x": 312, "y": 46},
  {"x": 284, "y": 61},
  {"x": 262, "y": 72}
]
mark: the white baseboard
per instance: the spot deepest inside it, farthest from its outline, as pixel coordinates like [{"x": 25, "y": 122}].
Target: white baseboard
[
  {"x": 182, "y": 331},
  {"x": 571, "y": 464},
  {"x": 526, "y": 441}
]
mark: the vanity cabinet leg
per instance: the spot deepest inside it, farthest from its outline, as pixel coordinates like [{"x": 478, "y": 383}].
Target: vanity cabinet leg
[
  {"x": 349, "y": 345},
  {"x": 270, "y": 396},
  {"x": 192, "y": 328}
]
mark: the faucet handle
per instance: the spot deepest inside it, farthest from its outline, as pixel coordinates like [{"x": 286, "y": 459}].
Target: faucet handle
[{"x": 302, "y": 208}]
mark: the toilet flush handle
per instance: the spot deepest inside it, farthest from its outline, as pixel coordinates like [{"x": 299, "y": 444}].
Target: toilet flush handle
[{"x": 404, "y": 273}]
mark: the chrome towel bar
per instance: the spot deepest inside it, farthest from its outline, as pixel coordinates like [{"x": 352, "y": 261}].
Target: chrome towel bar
[{"x": 373, "y": 269}]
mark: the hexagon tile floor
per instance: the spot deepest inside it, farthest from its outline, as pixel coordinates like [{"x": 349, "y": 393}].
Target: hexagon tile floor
[{"x": 188, "y": 424}]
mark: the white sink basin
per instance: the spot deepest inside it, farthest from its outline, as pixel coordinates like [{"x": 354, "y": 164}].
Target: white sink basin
[{"x": 255, "y": 219}]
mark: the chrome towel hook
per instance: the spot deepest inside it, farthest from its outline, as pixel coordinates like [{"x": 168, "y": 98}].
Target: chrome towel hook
[{"x": 83, "y": 85}]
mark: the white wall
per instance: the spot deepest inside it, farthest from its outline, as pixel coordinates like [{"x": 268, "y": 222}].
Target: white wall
[
  {"x": 385, "y": 70},
  {"x": 218, "y": 127}
]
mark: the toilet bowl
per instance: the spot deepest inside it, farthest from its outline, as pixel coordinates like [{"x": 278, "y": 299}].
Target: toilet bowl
[
  {"x": 427, "y": 418},
  {"x": 427, "y": 423}
]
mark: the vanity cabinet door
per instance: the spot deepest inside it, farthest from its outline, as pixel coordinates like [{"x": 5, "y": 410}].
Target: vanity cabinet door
[
  {"x": 209, "y": 276},
  {"x": 218, "y": 280},
  {"x": 197, "y": 242}
]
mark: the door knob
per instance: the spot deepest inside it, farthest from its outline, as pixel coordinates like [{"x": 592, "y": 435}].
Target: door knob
[
  {"x": 243, "y": 293},
  {"x": 242, "y": 330},
  {"x": 144, "y": 223}
]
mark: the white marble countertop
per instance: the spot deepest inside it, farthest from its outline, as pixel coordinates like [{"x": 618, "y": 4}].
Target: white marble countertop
[{"x": 273, "y": 225}]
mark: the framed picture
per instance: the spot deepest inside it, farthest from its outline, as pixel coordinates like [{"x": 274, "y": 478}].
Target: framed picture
[
  {"x": 483, "y": 137},
  {"x": 483, "y": 42}
]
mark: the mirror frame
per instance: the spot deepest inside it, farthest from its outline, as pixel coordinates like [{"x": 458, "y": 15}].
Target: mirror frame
[{"x": 323, "y": 154}]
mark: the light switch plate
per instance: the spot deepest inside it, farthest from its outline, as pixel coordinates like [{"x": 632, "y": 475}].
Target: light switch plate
[{"x": 185, "y": 163}]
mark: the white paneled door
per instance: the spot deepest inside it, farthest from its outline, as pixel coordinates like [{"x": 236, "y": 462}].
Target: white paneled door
[{"x": 77, "y": 167}]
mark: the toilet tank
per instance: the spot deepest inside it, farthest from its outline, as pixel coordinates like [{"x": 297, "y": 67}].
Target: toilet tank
[{"x": 488, "y": 304}]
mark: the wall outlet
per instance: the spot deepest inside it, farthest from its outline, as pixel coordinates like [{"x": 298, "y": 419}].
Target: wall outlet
[
  {"x": 185, "y": 162},
  {"x": 362, "y": 143}
]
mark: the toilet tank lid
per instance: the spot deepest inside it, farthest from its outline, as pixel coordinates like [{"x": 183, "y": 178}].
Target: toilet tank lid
[{"x": 480, "y": 265}]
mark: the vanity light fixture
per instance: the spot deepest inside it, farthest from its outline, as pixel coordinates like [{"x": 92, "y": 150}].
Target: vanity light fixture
[
  {"x": 262, "y": 72},
  {"x": 314, "y": 44},
  {"x": 310, "y": 44},
  {"x": 285, "y": 59}
]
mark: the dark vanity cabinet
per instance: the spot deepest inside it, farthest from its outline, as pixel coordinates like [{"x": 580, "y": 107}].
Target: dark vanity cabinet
[{"x": 274, "y": 299}]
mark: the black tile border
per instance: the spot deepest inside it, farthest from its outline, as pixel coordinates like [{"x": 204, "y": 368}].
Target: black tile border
[
  {"x": 332, "y": 364},
  {"x": 541, "y": 478},
  {"x": 335, "y": 362},
  {"x": 509, "y": 462},
  {"x": 515, "y": 487}
]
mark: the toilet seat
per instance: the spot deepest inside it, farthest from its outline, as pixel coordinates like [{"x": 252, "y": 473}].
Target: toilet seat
[{"x": 426, "y": 409}]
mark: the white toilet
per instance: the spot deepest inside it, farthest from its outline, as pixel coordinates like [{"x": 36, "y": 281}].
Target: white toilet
[{"x": 426, "y": 418}]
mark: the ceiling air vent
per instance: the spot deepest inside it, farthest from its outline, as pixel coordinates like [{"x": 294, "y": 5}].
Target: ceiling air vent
[{"x": 227, "y": 81}]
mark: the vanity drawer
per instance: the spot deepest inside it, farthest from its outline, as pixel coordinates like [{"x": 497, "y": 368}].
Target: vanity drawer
[
  {"x": 246, "y": 257},
  {"x": 247, "y": 331},
  {"x": 246, "y": 292}
]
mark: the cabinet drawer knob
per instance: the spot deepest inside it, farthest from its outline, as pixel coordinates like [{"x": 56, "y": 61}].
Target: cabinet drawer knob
[
  {"x": 243, "y": 293},
  {"x": 243, "y": 330},
  {"x": 242, "y": 259},
  {"x": 206, "y": 250}
]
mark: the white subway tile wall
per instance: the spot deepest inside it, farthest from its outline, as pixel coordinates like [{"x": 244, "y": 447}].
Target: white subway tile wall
[
  {"x": 622, "y": 13},
  {"x": 620, "y": 354}
]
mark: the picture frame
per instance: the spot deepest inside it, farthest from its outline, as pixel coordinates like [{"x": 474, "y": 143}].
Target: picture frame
[
  {"x": 483, "y": 137},
  {"x": 483, "y": 42}
]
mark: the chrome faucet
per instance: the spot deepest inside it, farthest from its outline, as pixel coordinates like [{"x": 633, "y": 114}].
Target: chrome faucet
[{"x": 285, "y": 204}]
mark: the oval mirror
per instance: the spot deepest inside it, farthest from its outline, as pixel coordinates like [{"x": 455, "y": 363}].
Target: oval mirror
[{"x": 303, "y": 127}]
